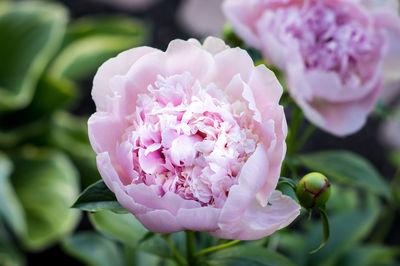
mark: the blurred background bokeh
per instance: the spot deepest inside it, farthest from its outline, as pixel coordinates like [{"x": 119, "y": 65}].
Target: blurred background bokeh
[{"x": 49, "y": 53}]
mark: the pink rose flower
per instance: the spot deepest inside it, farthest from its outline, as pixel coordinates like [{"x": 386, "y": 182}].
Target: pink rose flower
[
  {"x": 332, "y": 52},
  {"x": 192, "y": 139}
]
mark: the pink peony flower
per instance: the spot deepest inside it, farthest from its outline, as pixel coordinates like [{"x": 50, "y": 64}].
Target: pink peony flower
[
  {"x": 332, "y": 51},
  {"x": 192, "y": 139}
]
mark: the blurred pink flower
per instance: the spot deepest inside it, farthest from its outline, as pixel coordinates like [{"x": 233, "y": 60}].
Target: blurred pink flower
[
  {"x": 202, "y": 17},
  {"x": 332, "y": 52},
  {"x": 192, "y": 138}
]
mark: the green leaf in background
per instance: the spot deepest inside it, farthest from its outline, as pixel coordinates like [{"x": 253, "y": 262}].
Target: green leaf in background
[
  {"x": 10, "y": 208},
  {"x": 137, "y": 257},
  {"x": 51, "y": 94},
  {"x": 248, "y": 256},
  {"x": 9, "y": 254},
  {"x": 342, "y": 199},
  {"x": 347, "y": 168},
  {"x": 347, "y": 229},
  {"x": 93, "y": 249},
  {"x": 30, "y": 33},
  {"x": 23, "y": 134},
  {"x": 69, "y": 133},
  {"x": 46, "y": 184},
  {"x": 370, "y": 255},
  {"x": 121, "y": 227},
  {"x": 98, "y": 197},
  {"x": 126, "y": 229},
  {"x": 91, "y": 41}
]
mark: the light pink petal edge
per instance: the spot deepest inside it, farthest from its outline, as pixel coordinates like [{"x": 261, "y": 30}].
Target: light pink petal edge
[{"x": 259, "y": 222}]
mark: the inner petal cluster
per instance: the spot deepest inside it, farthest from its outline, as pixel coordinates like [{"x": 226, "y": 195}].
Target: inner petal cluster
[
  {"x": 188, "y": 139},
  {"x": 330, "y": 37}
]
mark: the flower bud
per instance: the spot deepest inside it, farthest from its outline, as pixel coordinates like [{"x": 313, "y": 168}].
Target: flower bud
[{"x": 313, "y": 190}]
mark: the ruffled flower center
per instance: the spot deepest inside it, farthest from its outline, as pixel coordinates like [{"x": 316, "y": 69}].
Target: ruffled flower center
[
  {"x": 330, "y": 37},
  {"x": 189, "y": 140}
]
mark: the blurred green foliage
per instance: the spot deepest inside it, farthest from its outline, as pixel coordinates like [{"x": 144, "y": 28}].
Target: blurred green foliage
[{"x": 45, "y": 154}]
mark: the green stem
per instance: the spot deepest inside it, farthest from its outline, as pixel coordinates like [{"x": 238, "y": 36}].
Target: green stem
[
  {"x": 295, "y": 124},
  {"x": 306, "y": 135},
  {"x": 388, "y": 214},
  {"x": 215, "y": 248},
  {"x": 190, "y": 247},
  {"x": 178, "y": 258}
]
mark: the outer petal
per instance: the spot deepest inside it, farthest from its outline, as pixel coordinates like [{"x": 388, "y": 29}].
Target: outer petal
[
  {"x": 175, "y": 213},
  {"x": 340, "y": 119},
  {"x": 115, "y": 66},
  {"x": 214, "y": 45},
  {"x": 251, "y": 179},
  {"x": 183, "y": 56},
  {"x": 101, "y": 138},
  {"x": 170, "y": 202},
  {"x": 258, "y": 222},
  {"x": 274, "y": 132},
  {"x": 231, "y": 62},
  {"x": 327, "y": 86},
  {"x": 243, "y": 15},
  {"x": 265, "y": 87},
  {"x": 199, "y": 219},
  {"x": 160, "y": 221},
  {"x": 114, "y": 182}
]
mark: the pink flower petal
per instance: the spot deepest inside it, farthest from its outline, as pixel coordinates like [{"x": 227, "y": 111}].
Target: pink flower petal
[
  {"x": 258, "y": 222},
  {"x": 252, "y": 177},
  {"x": 115, "y": 66}
]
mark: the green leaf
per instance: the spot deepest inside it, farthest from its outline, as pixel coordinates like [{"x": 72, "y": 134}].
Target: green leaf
[
  {"x": 51, "y": 94},
  {"x": 248, "y": 256},
  {"x": 23, "y": 134},
  {"x": 9, "y": 254},
  {"x": 91, "y": 41},
  {"x": 93, "y": 249},
  {"x": 347, "y": 168},
  {"x": 137, "y": 257},
  {"x": 370, "y": 255},
  {"x": 10, "y": 208},
  {"x": 346, "y": 230},
  {"x": 126, "y": 229},
  {"x": 342, "y": 199},
  {"x": 30, "y": 32},
  {"x": 325, "y": 230},
  {"x": 46, "y": 184},
  {"x": 116, "y": 25},
  {"x": 98, "y": 197},
  {"x": 121, "y": 227},
  {"x": 157, "y": 245},
  {"x": 70, "y": 134}
]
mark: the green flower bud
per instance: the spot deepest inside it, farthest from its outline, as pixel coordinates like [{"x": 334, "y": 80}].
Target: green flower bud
[{"x": 313, "y": 190}]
